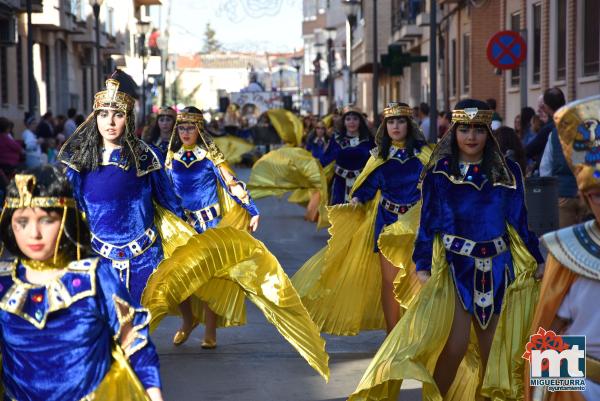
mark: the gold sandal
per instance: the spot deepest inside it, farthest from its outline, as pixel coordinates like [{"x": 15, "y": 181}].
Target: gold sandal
[
  {"x": 209, "y": 344},
  {"x": 181, "y": 336}
]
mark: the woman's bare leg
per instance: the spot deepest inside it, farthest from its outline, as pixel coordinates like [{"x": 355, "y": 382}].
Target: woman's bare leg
[
  {"x": 391, "y": 307},
  {"x": 485, "y": 338},
  {"x": 454, "y": 350},
  {"x": 186, "y": 314},
  {"x": 210, "y": 320}
]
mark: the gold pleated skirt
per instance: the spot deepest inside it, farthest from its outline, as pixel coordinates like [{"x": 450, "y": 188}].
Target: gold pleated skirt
[
  {"x": 411, "y": 350},
  {"x": 221, "y": 267},
  {"x": 233, "y": 148},
  {"x": 341, "y": 284}
]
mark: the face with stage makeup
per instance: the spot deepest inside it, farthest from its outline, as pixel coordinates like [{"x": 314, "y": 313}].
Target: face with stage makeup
[
  {"x": 111, "y": 126},
  {"x": 188, "y": 133},
  {"x": 36, "y": 231},
  {"x": 397, "y": 128},
  {"x": 471, "y": 140},
  {"x": 165, "y": 125}
]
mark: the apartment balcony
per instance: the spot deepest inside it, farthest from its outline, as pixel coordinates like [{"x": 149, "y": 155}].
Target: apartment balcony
[
  {"x": 404, "y": 20},
  {"x": 424, "y": 18}
]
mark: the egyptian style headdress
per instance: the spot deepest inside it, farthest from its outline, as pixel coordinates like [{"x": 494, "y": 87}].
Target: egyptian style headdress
[
  {"x": 167, "y": 111},
  {"x": 188, "y": 116},
  {"x": 394, "y": 110},
  {"x": 26, "y": 185},
  {"x": 473, "y": 112},
  {"x": 578, "y": 125},
  {"x": 119, "y": 95}
]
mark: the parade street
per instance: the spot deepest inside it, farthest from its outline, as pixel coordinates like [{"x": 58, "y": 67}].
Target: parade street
[{"x": 253, "y": 362}]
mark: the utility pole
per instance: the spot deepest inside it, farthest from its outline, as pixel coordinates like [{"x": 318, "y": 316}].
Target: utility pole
[
  {"x": 32, "y": 98},
  {"x": 375, "y": 67},
  {"x": 433, "y": 127}
]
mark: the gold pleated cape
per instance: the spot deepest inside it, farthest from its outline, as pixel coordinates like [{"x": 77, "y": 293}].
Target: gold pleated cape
[
  {"x": 233, "y": 148},
  {"x": 221, "y": 267},
  {"x": 411, "y": 350},
  {"x": 341, "y": 284},
  {"x": 290, "y": 169},
  {"x": 287, "y": 125}
]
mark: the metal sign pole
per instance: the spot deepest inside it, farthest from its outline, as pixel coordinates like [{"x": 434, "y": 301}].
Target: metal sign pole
[{"x": 432, "y": 134}]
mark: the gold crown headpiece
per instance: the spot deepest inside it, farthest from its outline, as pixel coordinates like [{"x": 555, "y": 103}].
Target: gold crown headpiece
[
  {"x": 112, "y": 99},
  {"x": 472, "y": 115},
  {"x": 194, "y": 118},
  {"x": 578, "y": 126},
  {"x": 167, "y": 111},
  {"x": 25, "y": 184},
  {"x": 351, "y": 109},
  {"x": 396, "y": 110}
]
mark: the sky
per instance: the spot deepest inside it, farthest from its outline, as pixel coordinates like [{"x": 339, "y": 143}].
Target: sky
[{"x": 240, "y": 25}]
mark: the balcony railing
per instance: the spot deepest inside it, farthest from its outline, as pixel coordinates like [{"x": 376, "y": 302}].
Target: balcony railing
[{"x": 404, "y": 12}]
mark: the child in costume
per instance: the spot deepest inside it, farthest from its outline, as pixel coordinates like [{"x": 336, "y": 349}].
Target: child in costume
[
  {"x": 571, "y": 284},
  {"x": 69, "y": 330},
  {"x": 117, "y": 178},
  {"x": 317, "y": 141},
  {"x": 349, "y": 150},
  {"x": 478, "y": 259},
  {"x": 199, "y": 175},
  {"x": 347, "y": 284},
  {"x": 161, "y": 132}
]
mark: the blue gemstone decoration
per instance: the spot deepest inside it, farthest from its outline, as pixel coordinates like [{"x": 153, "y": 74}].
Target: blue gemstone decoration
[
  {"x": 596, "y": 174},
  {"x": 470, "y": 178}
]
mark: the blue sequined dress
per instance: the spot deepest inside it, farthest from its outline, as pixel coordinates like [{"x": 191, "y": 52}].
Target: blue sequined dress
[
  {"x": 471, "y": 215},
  {"x": 118, "y": 203},
  {"x": 57, "y": 339},
  {"x": 350, "y": 155},
  {"x": 195, "y": 178},
  {"x": 397, "y": 178}
]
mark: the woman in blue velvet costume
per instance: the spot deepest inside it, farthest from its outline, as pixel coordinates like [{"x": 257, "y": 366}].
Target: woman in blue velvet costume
[
  {"x": 69, "y": 329},
  {"x": 317, "y": 141},
  {"x": 198, "y": 170},
  {"x": 117, "y": 178},
  {"x": 393, "y": 170},
  {"x": 349, "y": 150},
  {"x": 477, "y": 258},
  {"x": 161, "y": 132}
]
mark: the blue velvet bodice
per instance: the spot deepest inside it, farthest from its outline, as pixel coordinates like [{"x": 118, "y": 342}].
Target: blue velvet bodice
[
  {"x": 195, "y": 179},
  {"x": 317, "y": 147},
  {"x": 57, "y": 339},
  {"x": 397, "y": 178},
  {"x": 347, "y": 152},
  {"x": 470, "y": 207},
  {"x": 118, "y": 201}
]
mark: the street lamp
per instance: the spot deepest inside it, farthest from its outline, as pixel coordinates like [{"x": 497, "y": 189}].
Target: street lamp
[
  {"x": 96, "y": 7},
  {"x": 281, "y": 64},
  {"x": 297, "y": 64},
  {"x": 143, "y": 27},
  {"x": 330, "y": 33},
  {"x": 317, "y": 68},
  {"x": 351, "y": 8}
]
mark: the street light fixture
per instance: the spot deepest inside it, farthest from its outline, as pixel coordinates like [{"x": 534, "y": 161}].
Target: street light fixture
[
  {"x": 351, "y": 8},
  {"x": 297, "y": 64},
  {"x": 281, "y": 63},
  {"x": 96, "y": 7},
  {"x": 143, "y": 28}
]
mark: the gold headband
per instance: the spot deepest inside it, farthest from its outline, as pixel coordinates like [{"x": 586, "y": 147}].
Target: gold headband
[
  {"x": 396, "y": 110},
  {"x": 472, "y": 116},
  {"x": 112, "y": 99},
  {"x": 25, "y": 184},
  {"x": 194, "y": 118},
  {"x": 167, "y": 111},
  {"x": 351, "y": 109}
]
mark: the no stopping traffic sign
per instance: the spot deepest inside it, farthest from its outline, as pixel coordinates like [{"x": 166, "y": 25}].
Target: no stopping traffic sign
[{"x": 506, "y": 50}]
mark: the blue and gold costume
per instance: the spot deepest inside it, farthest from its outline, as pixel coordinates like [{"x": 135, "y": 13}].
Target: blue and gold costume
[
  {"x": 159, "y": 142},
  {"x": 350, "y": 154},
  {"x": 78, "y": 334},
  {"x": 59, "y": 339},
  {"x": 196, "y": 180},
  {"x": 474, "y": 240},
  {"x": 118, "y": 202},
  {"x": 118, "y": 196},
  {"x": 317, "y": 146},
  {"x": 341, "y": 284}
]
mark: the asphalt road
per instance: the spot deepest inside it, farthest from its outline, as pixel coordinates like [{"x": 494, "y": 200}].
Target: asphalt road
[{"x": 254, "y": 362}]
